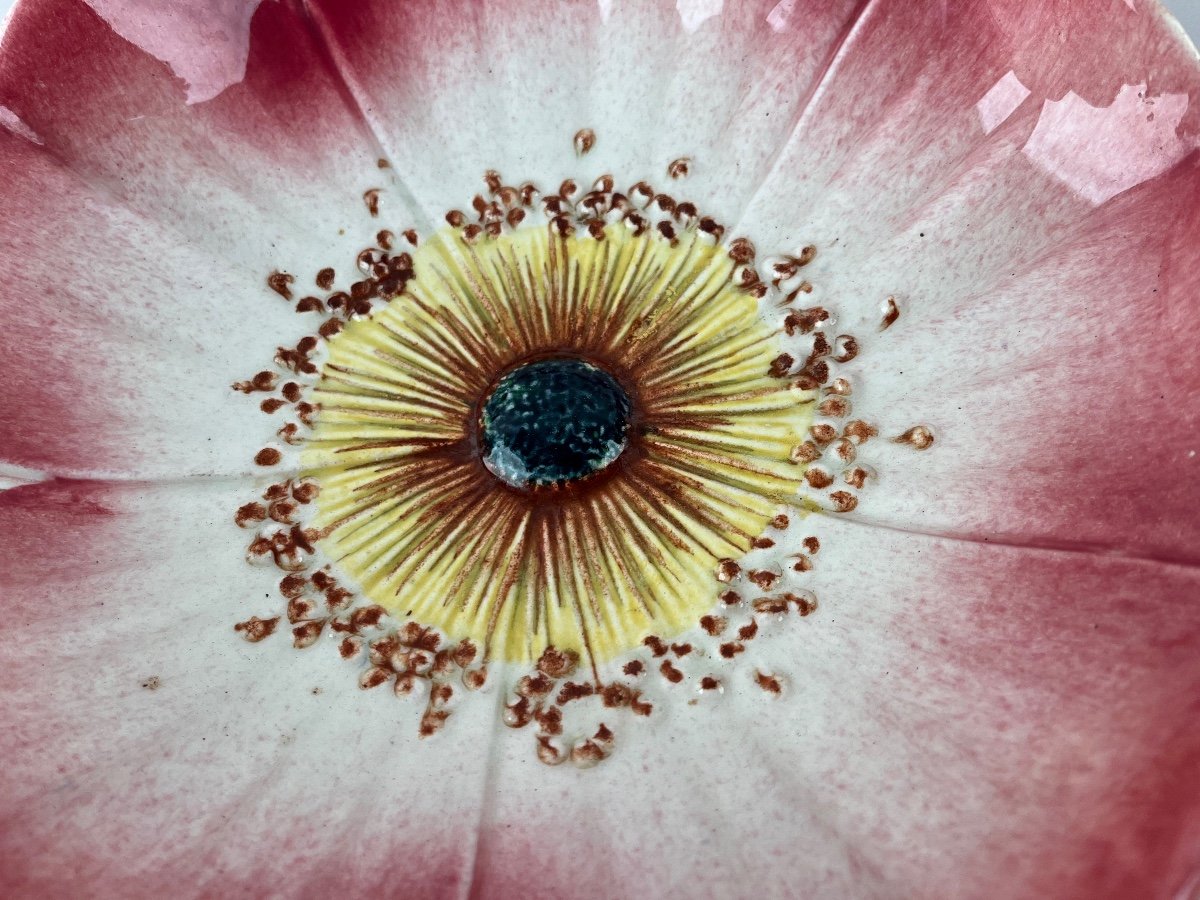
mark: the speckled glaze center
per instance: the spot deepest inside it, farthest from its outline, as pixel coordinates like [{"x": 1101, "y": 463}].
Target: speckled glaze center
[{"x": 553, "y": 421}]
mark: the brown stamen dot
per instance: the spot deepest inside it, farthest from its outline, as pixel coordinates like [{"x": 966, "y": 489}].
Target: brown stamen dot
[
  {"x": 585, "y": 140},
  {"x": 818, "y": 477},
  {"x": 656, "y": 644},
  {"x": 383, "y": 163},
  {"x": 772, "y": 684},
  {"x": 747, "y": 632},
  {"x": 680, "y": 168},
  {"x": 857, "y": 476},
  {"x": 805, "y": 320},
  {"x": 764, "y": 579},
  {"x": 272, "y": 405},
  {"x": 670, "y": 673},
  {"x": 845, "y": 348},
  {"x": 280, "y": 283},
  {"x": 708, "y": 683},
  {"x": 616, "y": 695},
  {"x": 891, "y": 312},
  {"x": 843, "y": 501},
  {"x": 727, "y": 570},
  {"x": 805, "y": 453},
  {"x": 325, "y": 278},
  {"x": 731, "y": 649},
  {"x": 741, "y": 251},
  {"x": 730, "y": 598},
  {"x": 762, "y": 543},
  {"x": 634, "y": 668},
  {"x": 859, "y": 431},
  {"x": 771, "y": 605},
  {"x": 781, "y": 365},
  {"x": 268, "y": 456},
  {"x": 823, "y": 433},
  {"x": 255, "y": 629},
  {"x": 250, "y": 514},
  {"x": 292, "y": 586},
  {"x": 919, "y": 437},
  {"x": 306, "y": 634},
  {"x": 714, "y": 625},
  {"x": 802, "y": 564},
  {"x": 834, "y": 407},
  {"x": 299, "y": 609},
  {"x": 574, "y": 690},
  {"x": 780, "y": 522},
  {"x": 812, "y": 545},
  {"x": 558, "y": 663},
  {"x": 371, "y": 199},
  {"x": 844, "y": 450}
]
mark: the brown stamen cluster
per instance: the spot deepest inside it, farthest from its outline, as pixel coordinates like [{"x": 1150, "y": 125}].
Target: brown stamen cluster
[{"x": 421, "y": 661}]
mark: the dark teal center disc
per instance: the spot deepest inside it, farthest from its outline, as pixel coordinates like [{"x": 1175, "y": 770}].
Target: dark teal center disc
[{"x": 552, "y": 422}]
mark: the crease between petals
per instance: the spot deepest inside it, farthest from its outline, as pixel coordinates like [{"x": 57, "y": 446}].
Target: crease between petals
[
  {"x": 844, "y": 43},
  {"x": 1084, "y": 548}
]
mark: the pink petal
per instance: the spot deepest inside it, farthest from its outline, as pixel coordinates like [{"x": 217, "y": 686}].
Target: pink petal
[
  {"x": 957, "y": 720},
  {"x": 150, "y": 751},
  {"x": 265, "y": 172},
  {"x": 1041, "y": 250},
  {"x": 122, "y": 340},
  {"x": 656, "y": 81},
  {"x": 151, "y": 226},
  {"x": 206, "y": 44}
]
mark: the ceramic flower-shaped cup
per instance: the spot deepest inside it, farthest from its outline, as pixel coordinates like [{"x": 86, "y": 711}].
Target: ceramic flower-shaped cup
[{"x": 609, "y": 449}]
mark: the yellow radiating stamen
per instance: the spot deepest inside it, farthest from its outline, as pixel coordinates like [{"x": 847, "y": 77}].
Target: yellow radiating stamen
[{"x": 408, "y": 510}]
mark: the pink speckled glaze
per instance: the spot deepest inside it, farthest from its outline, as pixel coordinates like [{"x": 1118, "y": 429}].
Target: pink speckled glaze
[{"x": 998, "y": 696}]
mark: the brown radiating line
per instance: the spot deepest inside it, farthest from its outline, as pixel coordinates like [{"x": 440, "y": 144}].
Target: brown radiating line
[
  {"x": 521, "y": 339},
  {"x": 577, "y": 603},
  {"x": 439, "y": 539},
  {"x": 585, "y": 558},
  {"x": 704, "y": 364},
  {"x": 457, "y": 338},
  {"x": 631, "y": 297},
  {"x": 704, "y": 399},
  {"x": 672, "y": 449},
  {"x": 451, "y": 481},
  {"x": 432, "y": 529},
  {"x": 678, "y": 470},
  {"x": 671, "y": 320},
  {"x": 385, "y": 414},
  {"x": 436, "y": 390},
  {"x": 595, "y": 291},
  {"x": 388, "y": 443},
  {"x": 685, "y": 514},
  {"x": 649, "y": 511},
  {"x": 475, "y": 317},
  {"x": 616, "y": 556},
  {"x": 510, "y": 271},
  {"x": 441, "y": 335},
  {"x": 515, "y": 535}
]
